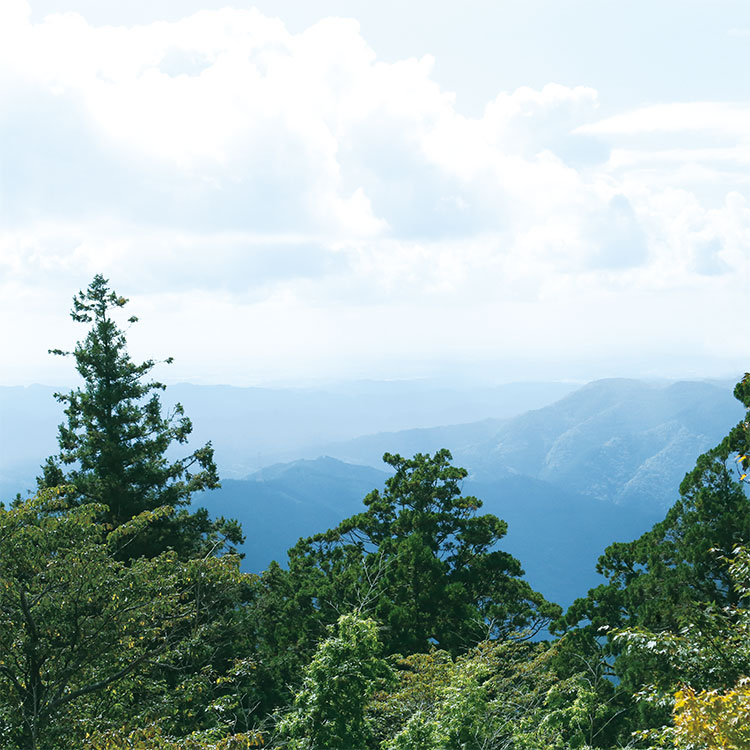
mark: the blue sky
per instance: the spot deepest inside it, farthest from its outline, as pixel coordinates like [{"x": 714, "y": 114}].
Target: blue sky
[{"x": 296, "y": 191}]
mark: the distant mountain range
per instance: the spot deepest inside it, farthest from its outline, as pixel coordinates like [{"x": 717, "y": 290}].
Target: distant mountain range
[
  {"x": 570, "y": 470},
  {"x": 254, "y": 427},
  {"x": 618, "y": 441},
  {"x": 600, "y": 465}
]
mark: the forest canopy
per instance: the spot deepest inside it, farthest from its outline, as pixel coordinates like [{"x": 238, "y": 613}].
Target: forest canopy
[{"x": 126, "y": 622}]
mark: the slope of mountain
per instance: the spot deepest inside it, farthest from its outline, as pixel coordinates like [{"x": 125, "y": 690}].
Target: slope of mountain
[
  {"x": 281, "y": 503},
  {"x": 254, "y": 427},
  {"x": 369, "y": 449},
  {"x": 620, "y": 441}
]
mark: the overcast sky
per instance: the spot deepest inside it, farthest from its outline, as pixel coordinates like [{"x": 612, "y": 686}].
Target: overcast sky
[{"x": 292, "y": 191}]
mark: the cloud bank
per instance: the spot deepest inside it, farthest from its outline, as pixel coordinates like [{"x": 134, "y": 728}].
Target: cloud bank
[{"x": 308, "y": 208}]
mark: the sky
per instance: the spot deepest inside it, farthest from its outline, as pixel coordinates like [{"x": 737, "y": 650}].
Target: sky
[{"x": 292, "y": 192}]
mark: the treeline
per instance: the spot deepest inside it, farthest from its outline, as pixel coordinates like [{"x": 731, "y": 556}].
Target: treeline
[{"x": 125, "y": 621}]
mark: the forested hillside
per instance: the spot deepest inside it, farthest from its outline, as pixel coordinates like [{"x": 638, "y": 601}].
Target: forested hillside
[
  {"x": 620, "y": 441},
  {"x": 404, "y": 620}
]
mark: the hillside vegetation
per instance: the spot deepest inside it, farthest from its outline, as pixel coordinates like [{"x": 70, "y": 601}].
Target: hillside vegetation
[{"x": 404, "y": 621}]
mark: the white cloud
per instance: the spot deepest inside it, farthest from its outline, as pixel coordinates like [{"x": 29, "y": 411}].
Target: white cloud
[
  {"x": 719, "y": 118},
  {"x": 311, "y": 118},
  {"x": 299, "y": 184}
]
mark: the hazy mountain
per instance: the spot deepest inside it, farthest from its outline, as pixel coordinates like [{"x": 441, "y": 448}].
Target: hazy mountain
[
  {"x": 599, "y": 464},
  {"x": 461, "y": 439},
  {"x": 281, "y": 503},
  {"x": 621, "y": 441},
  {"x": 254, "y": 427},
  {"x": 28, "y": 434}
]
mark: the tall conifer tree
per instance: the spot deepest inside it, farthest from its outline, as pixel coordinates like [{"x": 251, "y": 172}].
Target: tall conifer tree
[
  {"x": 668, "y": 578},
  {"x": 420, "y": 559},
  {"x": 114, "y": 441}
]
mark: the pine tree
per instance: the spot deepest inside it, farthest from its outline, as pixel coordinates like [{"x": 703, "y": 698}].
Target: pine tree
[
  {"x": 422, "y": 561},
  {"x": 663, "y": 581},
  {"x": 114, "y": 441}
]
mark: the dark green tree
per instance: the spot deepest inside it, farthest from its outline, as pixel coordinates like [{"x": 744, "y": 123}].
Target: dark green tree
[
  {"x": 90, "y": 642},
  {"x": 114, "y": 443},
  {"x": 419, "y": 559},
  {"x": 284, "y": 626},
  {"x": 709, "y": 659},
  {"x": 655, "y": 580},
  {"x": 662, "y": 581}
]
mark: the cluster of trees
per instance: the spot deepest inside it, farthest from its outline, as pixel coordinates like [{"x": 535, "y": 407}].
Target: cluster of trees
[{"x": 125, "y": 621}]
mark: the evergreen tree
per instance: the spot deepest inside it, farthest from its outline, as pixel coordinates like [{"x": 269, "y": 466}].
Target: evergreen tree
[
  {"x": 654, "y": 580},
  {"x": 114, "y": 442},
  {"x": 662, "y": 581},
  {"x": 420, "y": 560},
  {"x": 709, "y": 659}
]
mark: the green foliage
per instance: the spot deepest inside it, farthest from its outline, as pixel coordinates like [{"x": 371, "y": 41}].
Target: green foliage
[
  {"x": 329, "y": 709},
  {"x": 576, "y": 713},
  {"x": 85, "y": 636},
  {"x": 434, "y": 703},
  {"x": 113, "y": 445},
  {"x": 707, "y": 662},
  {"x": 422, "y": 562},
  {"x": 499, "y": 695},
  {"x": 152, "y": 737},
  {"x": 439, "y": 703},
  {"x": 655, "y": 582},
  {"x": 284, "y": 626}
]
